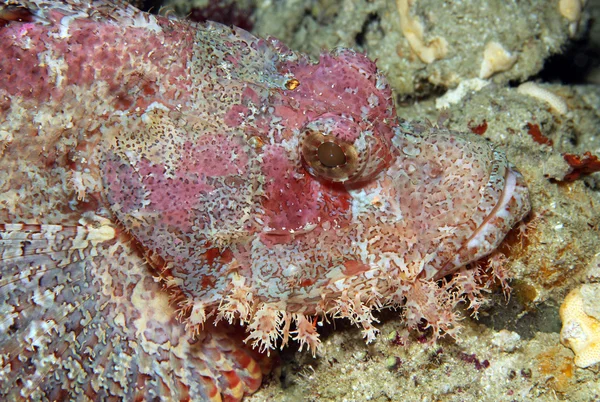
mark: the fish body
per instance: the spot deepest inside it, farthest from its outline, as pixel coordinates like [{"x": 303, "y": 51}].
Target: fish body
[{"x": 163, "y": 182}]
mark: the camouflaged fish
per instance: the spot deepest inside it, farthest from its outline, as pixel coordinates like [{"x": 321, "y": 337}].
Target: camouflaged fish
[{"x": 177, "y": 199}]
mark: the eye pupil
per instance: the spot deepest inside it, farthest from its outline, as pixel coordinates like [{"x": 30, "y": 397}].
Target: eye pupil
[{"x": 331, "y": 155}]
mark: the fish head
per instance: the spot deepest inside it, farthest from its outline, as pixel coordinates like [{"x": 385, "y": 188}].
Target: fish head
[{"x": 305, "y": 192}]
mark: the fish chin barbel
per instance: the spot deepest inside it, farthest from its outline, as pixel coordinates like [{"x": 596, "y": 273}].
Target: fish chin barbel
[{"x": 161, "y": 176}]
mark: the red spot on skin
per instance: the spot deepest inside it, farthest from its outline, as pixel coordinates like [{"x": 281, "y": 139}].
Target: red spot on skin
[
  {"x": 581, "y": 165},
  {"x": 337, "y": 199},
  {"x": 123, "y": 101},
  {"x": 478, "y": 129},
  {"x": 149, "y": 89},
  {"x": 306, "y": 283},
  {"x": 353, "y": 268},
  {"x": 208, "y": 282},
  {"x": 534, "y": 131},
  {"x": 215, "y": 254},
  {"x": 210, "y": 255}
]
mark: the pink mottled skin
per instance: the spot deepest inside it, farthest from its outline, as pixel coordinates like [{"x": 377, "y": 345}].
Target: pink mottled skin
[{"x": 160, "y": 177}]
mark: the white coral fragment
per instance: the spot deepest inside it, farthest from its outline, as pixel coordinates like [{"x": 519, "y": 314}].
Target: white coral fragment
[
  {"x": 495, "y": 60},
  {"x": 581, "y": 326},
  {"x": 570, "y": 9},
  {"x": 456, "y": 95},
  {"x": 435, "y": 49},
  {"x": 556, "y": 102}
]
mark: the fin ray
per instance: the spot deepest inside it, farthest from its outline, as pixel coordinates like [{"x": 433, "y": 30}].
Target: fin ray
[{"x": 87, "y": 319}]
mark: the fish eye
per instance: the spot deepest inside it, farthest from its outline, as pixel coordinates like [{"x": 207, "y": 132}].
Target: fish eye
[
  {"x": 328, "y": 157},
  {"x": 331, "y": 154},
  {"x": 338, "y": 149}
]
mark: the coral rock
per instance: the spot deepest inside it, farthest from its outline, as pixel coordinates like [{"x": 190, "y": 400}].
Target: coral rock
[{"x": 580, "y": 315}]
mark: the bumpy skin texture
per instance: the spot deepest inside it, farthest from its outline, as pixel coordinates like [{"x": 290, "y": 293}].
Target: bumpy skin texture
[{"x": 159, "y": 177}]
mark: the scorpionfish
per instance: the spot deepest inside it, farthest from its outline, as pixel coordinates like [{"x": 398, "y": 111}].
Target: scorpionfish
[{"x": 178, "y": 199}]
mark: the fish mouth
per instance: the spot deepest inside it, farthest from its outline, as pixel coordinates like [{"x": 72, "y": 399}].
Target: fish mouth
[{"x": 512, "y": 206}]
